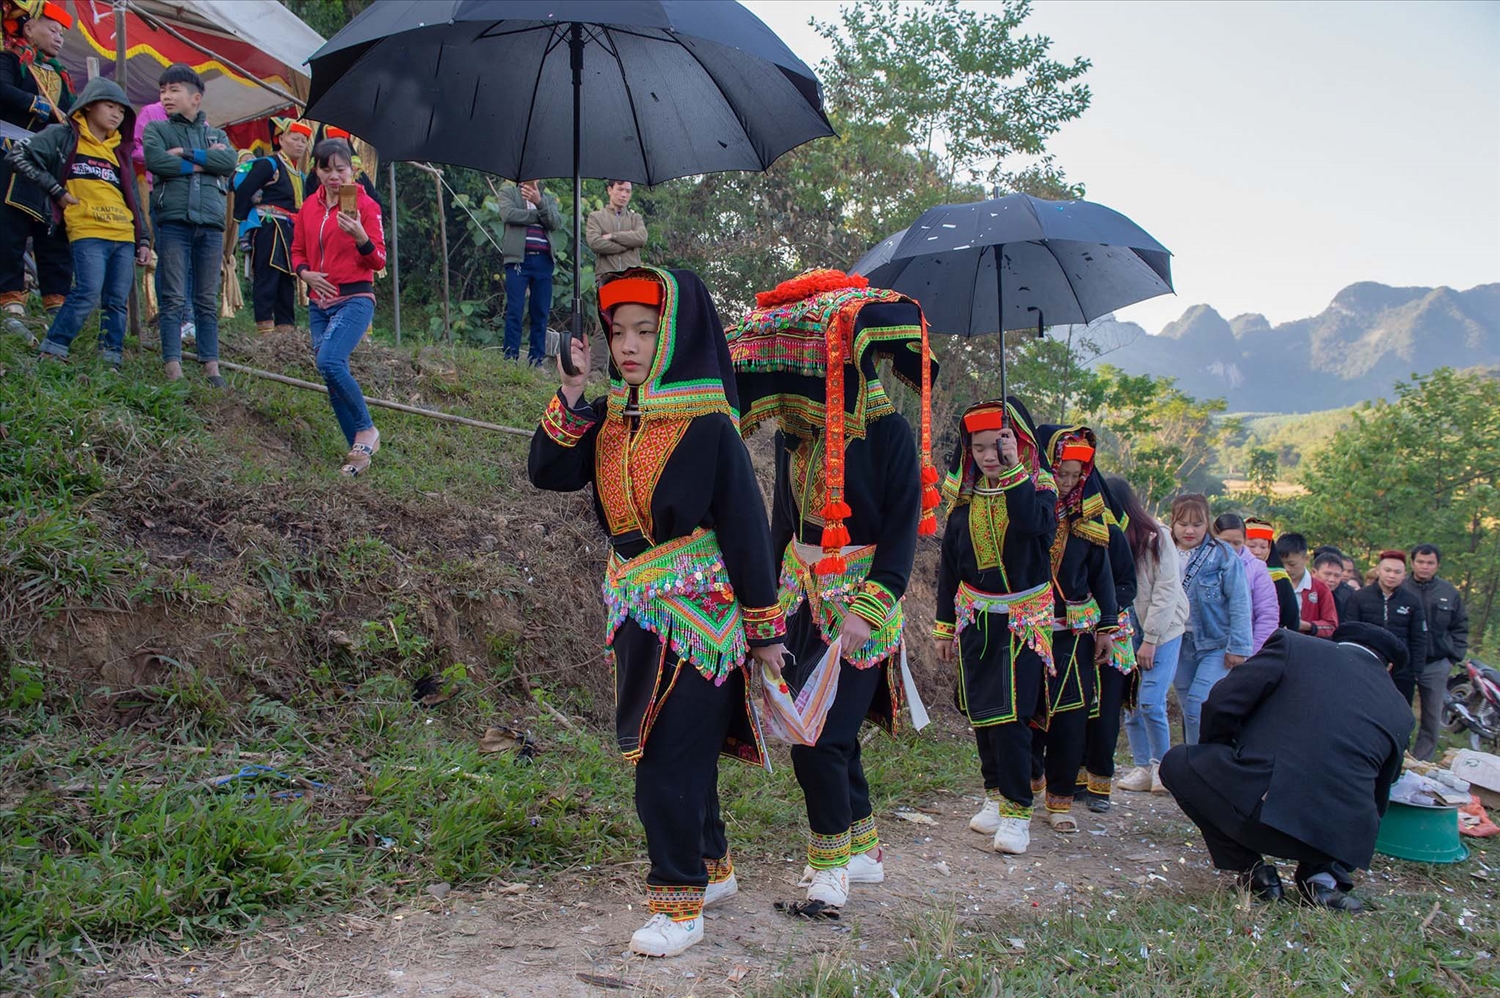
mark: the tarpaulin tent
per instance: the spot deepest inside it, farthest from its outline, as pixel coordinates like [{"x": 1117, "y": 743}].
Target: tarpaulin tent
[{"x": 250, "y": 53}]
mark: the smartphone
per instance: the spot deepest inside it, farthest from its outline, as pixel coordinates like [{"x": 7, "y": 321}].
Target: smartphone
[{"x": 349, "y": 200}]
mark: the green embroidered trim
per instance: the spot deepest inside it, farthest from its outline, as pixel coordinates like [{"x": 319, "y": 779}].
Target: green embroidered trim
[
  {"x": 875, "y": 603},
  {"x": 564, "y": 426},
  {"x": 719, "y": 870},
  {"x": 829, "y": 598},
  {"x": 862, "y": 836},
  {"x": 1008, "y": 807},
  {"x": 1029, "y": 614},
  {"x": 989, "y": 517},
  {"x": 1083, "y": 615},
  {"x": 828, "y": 852},
  {"x": 944, "y": 631}
]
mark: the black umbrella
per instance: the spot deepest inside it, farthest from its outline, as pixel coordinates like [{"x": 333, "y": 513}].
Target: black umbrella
[
  {"x": 638, "y": 90},
  {"x": 1065, "y": 261}
]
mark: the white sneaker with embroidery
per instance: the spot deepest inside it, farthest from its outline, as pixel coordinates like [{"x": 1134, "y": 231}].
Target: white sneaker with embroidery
[
  {"x": 1013, "y": 836},
  {"x": 721, "y": 891},
  {"x": 663, "y": 937},
  {"x": 868, "y": 867},
  {"x": 987, "y": 821},
  {"x": 830, "y": 886}
]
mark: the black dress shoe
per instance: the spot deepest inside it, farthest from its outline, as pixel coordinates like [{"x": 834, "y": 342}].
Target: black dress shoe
[
  {"x": 1322, "y": 896},
  {"x": 1099, "y": 805},
  {"x": 1263, "y": 882}
]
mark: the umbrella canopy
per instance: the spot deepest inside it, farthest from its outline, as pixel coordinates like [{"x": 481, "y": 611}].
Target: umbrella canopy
[
  {"x": 1062, "y": 261},
  {"x": 667, "y": 88}
]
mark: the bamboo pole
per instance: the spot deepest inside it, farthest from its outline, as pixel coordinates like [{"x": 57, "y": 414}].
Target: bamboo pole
[
  {"x": 395, "y": 255},
  {"x": 445, "y": 417}
]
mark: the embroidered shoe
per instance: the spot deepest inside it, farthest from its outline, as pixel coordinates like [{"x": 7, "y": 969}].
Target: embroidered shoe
[
  {"x": 1013, "y": 836},
  {"x": 868, "y": 867},
  {"x": 663, "y": 937},
  {"x": 830, "y": 886},
  {"x": 721, "y": 891},
  {"x": 987, "y": 821}
]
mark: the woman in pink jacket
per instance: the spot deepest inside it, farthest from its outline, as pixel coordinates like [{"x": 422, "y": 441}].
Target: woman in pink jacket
[{"x": 1265, "y": 611}]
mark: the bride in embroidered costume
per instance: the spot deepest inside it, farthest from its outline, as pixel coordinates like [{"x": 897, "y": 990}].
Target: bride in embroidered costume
[
  {"x": 852, "y": 493},
  {"x": 690, "y": 587},
  {"x": 1085, "y": 621},
  {"x": 994, "y": 603}
]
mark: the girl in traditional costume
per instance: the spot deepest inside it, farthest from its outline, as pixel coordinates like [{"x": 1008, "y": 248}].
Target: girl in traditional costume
[
  {"x": 853, "y": 491},
  {"x": 690, "y": 587},
  {"x": 1260, "y": 540},
  {"x": 268, "y": 192},
  {"x": 994, "y": 603},
  {"x": 1085, "y": 620}
]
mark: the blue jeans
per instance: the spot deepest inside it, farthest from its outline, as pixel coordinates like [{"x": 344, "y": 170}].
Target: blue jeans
[
  {"x": 1197, "y": 672},
  {"x": 336, "y": 331},
  {"x": 1146, "y": 726},
  {"x": 534, "y": 272},
  {"x": 188, "y": 259},
  {"x": 102, "y": 272}
]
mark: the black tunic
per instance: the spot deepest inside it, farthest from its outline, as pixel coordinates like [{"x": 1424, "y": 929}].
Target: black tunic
[
  {"x": 19, "y": 105},
  {"x": 882, "y": 485}
]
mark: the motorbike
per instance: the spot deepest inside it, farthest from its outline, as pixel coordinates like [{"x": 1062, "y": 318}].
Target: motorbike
[{"x": 1473, "y": 705}]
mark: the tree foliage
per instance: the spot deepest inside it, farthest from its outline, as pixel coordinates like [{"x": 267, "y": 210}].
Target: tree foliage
[{"x": 1422, "y": 469}]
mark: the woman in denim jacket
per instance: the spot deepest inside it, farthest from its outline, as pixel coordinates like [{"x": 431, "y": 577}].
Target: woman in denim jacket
[{"x": 1218, "y": 635}]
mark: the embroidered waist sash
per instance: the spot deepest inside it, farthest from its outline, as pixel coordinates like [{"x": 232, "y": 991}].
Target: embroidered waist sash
[
  {"x": 680, "y": 591},
  {"x": 829, "y": 596},
  {"x": 1082, "y": 616},
  {"x": 1030, "y": 614},
  {"x": 1122, "y": 654}
]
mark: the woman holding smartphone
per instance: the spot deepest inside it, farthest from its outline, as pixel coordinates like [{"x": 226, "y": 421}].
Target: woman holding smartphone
[{"x": 339, "y": 244}]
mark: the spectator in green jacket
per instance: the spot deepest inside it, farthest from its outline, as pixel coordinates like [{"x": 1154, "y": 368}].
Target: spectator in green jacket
[
  {"x": 192, "y": 164},
  {"x": 532, "y": 222}
]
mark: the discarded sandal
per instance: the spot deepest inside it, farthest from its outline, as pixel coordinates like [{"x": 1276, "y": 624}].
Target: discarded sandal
[{"x": 807, "y": 909}]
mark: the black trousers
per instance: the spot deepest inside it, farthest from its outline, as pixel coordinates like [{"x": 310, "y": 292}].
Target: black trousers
[
  {"x": 1057, "y": 754},
  {"x": 1236, "y": 842},
  {"x": 830, "y": 774},
  {"x": 274, "y": 291},
  {"x": 677, "y": 778},
  {"x": 54, "y": 257},
  {"x": 1005, "y": 749},
  {"x": 1103, "y": 733}
]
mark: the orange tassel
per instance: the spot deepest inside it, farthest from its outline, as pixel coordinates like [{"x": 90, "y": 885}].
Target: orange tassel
[
  {"x": 832, "y": 565},
  {"x": 836, "y": 509},
  {"x": 835, "y": 536},
  {"x": 929, "y": 475},
  {"x": 928, "y": 524},
  {"x": 930, "y": 497}
]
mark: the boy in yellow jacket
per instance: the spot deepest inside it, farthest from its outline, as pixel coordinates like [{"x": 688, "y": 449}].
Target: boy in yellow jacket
[{"x": 84, "y": 166}]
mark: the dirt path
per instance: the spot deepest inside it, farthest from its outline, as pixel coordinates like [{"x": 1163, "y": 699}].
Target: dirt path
[{"x": 568, "y": 937}]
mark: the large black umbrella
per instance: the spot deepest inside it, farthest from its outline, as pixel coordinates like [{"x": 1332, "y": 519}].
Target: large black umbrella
[
  {"x": 638, "y": 90},
  {"x": 1058, "y": 262}
]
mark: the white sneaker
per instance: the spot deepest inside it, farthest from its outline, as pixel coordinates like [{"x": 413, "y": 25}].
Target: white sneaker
[
  {"x": 830, "y": 886},
  {"x": 721, "y": 891},
  {"x": 987, "y": 821},
  {"x": 663, "y": 937},
  {"x": 1013, "y": 836},
  {"x": 868, "y": 867},
  {"x": 1138, "y": 779},
  {"x": 1157, "y": 786}
]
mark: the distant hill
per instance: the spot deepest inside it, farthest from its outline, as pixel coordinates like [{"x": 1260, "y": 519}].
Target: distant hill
[{"x": 1368, "y": 338}]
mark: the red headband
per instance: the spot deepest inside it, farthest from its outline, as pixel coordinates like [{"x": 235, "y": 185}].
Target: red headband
[
  {"x": 630, "y": 291},
  {"x": 985, "y": 419},
  {"x": 1082, "y": 453},
  {"x": 333, "y": 132},
  {"x": 301, "y": 128},
  {"x": 1259, "y": 533}
]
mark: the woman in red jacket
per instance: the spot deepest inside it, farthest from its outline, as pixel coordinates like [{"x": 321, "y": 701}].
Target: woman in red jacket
[{"x": 336, "y": 253}]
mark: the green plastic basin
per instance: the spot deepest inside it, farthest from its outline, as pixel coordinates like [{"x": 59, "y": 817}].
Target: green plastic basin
[{"x": 1421, "y": 834}]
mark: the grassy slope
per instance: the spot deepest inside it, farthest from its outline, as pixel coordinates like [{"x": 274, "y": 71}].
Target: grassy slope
[{"x": 187, "y": 588}]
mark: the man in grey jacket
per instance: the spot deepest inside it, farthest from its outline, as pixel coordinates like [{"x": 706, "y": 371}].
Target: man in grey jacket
[
  {"x": 532, "y": 223},
  {"x": 1447, "y": 641}
]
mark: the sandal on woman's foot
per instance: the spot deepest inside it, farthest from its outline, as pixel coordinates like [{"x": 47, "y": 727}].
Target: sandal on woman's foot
[
  {"x": 217, "y": 380},
  {"x": 1062, "y": 822},
  {"x": 357, "y": 461}
]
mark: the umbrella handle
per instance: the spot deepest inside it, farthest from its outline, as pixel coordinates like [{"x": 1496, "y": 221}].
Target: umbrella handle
[
  {"x": 575, "y": 46},
  {"x": 565, "y": 348}
]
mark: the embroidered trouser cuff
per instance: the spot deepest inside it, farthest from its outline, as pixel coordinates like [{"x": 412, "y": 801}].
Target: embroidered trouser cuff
[
  {"x": 828, "y": 852},
  {"x": 719, "y": 870},
  {"x": 679, "y": 903},
  {"x": 1008, "y": 808}
]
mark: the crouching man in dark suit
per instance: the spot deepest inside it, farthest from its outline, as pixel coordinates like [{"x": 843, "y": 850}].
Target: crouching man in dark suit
[{"x": 1298, "y": 749}]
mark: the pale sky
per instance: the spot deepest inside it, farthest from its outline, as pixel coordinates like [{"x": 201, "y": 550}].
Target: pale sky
[{"x": 1281, "y": 150}]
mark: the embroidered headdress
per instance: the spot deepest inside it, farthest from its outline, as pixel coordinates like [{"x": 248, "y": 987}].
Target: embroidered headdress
[
  {"x": 1082, "y": 510},
  {"x": 963, "y": 471},
  {"x": 690, "y": 373},
  {"x": 821, "y": 336}
]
